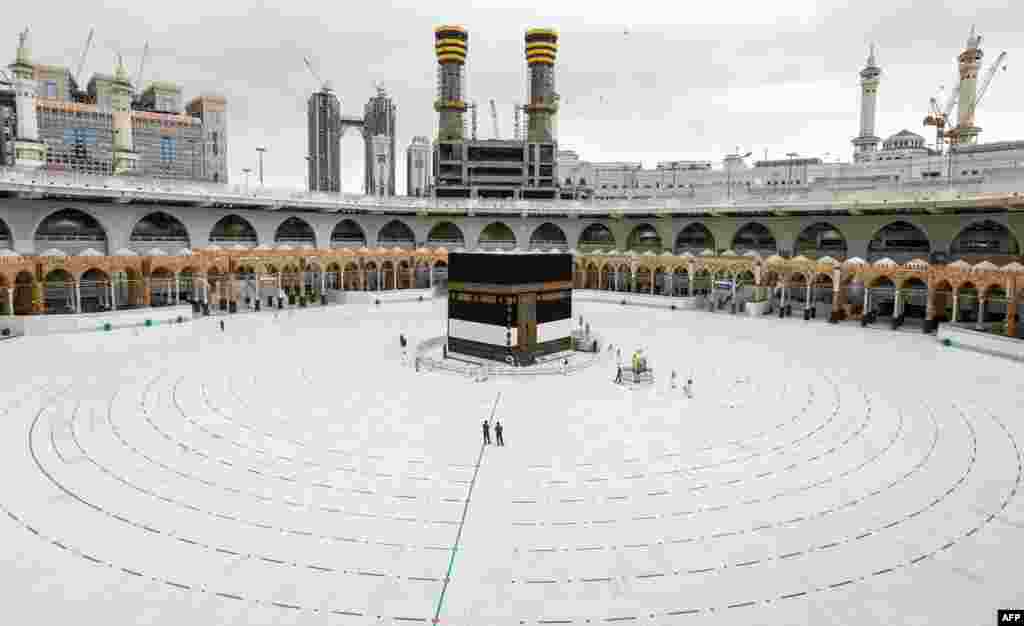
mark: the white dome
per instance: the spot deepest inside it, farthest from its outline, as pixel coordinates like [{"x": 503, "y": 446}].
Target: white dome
[
  {"x": 184, "y": 252},
  {"x": 125, "y": 252},
  {"x": 9, "y": 253},
  {"x": 903, "y": 140},
  {"x": 90, "y": 252},
  {"x": 53, "y": 252},
  {"x": 156, "y": 252}
]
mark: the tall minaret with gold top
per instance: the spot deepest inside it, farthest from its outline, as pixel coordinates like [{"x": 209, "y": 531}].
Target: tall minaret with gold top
[
  {"x": 125, "y": 157},
  {"x": 29, "y": 151}
]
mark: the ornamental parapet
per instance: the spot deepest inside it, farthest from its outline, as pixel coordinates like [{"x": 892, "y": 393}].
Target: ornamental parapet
[{"x": 929, "y": 196}]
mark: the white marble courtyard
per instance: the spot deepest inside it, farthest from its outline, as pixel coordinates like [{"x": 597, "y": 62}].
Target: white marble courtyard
[{"x": 291, "y": 471}]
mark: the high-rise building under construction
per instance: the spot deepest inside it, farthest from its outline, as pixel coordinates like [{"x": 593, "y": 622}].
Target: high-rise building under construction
[
  {"x": 112, "y": 127},
  {"x": 495, "y": 168},
  {"x": 379, "y": 121},
  {"x": 324, "y": 128}
]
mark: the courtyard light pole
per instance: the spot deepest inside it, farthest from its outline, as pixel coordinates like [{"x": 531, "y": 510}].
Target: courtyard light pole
[
  {"x": 247, "y": 171},
  {"x": 260, "y": 150}
]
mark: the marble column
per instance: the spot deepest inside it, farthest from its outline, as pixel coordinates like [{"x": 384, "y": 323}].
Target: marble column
[
  {"x": 177, "y": 289},
  {"x": 809, "y": 287},
  {"x": 981, "y": 314},
  {"x": 1011, "y": 313},
  {"x": 956, "y": 305},
  {"x": 897, "y": 303},
  {"x": 78, "y": 296},
  {"x": 10, "y": 301},
  {"x": 113, "y": 296},
  {"x": 867, "y": 299}
]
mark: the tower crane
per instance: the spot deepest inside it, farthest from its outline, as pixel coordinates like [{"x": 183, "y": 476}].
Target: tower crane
[
  {"x": 938, "y": 115},
  {"x": 989, "y": 75},
  {"x": 81, "y": 59},
  {"x": 324, "y": 85},
  {"x": 494, "y": 119},
  {"x": 137, "y": 83}
]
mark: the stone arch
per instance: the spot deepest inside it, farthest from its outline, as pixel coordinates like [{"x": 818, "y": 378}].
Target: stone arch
[
  {"x": 71, "y": 231},
  {"x": 159, "y": 229},
  {"x": 24, "y": 286},
  {"x": 644, "y": 237},
  {"x": 396, "y": 233},
  {"x": 984, "y": 239},
  {"x": 548, "y": 235},
  {"x": 161, "y": 287},
  {"x": 754, "y": 236},
  {"x": 695, "y": 238},
  {"x": 681, "y": 281},
  {"x": 607, "y": 278},
  {"x": 348, "y": 234},
  {"x": 59, "y": 291},
  {"x": 913, "y": 297},
  {"x": 642, "y": 280},
  {"x": 446, "y": 234},
  {"x": 94, "y": 287},
  {"x": 497, "y": 235},
  {"x": 594, "y": 237},
  {"x": 352, "y": 277},
  {"x": 592, "y": 278},
  {"x": 821, "y": 239},
  {"x": 295, "y": 231},
  {"x": 233, "y": 230},
  {"x": 900, "y": 241}
]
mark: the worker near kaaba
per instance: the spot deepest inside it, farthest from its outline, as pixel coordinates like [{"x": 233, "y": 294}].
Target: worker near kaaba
[{"x": 487, "y": 432}]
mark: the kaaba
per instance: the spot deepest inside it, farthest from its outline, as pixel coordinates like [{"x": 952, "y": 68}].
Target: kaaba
[{"x": 509, "y": 307}]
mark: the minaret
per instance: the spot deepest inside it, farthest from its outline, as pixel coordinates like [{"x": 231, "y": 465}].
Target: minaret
[
  {"x": 970, "y": 60},
  {"x": 450, "y": 47},
  {"x": 867, "y": 142},
  {"x": 125, "y": 157},
  {"x": 541, "y": 50},
  {"x": 29, "y": 151}
]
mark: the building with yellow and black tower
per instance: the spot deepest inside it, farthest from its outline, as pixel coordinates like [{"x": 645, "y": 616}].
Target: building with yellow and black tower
[{"x": 465, "y": 167}]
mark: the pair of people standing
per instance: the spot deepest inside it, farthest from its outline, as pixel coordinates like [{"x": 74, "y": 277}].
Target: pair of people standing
[{"x": 498, "y": 431}]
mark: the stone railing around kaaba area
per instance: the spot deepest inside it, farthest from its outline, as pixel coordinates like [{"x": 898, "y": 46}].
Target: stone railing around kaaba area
[{"x": 426, "y": 354}]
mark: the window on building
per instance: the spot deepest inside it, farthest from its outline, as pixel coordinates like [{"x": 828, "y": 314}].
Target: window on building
[
  {"x": 167, "y": 149},
  {"x": 50, "y": 87}
]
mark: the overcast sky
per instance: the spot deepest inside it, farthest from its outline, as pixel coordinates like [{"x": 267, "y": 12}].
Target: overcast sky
[{"x": 640, "y": 81}]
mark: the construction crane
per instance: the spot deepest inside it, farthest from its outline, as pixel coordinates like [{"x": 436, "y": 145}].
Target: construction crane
[
  {"x": 989, "y": 75},
  {"x": 494, "y": 119},
  {"x": 324, "y": 85},
  {"x": 938, "y": 115},
  {"x": 142, "y": 68},
  {"x": 471, "y": 107},
  {"x": 81, "y": 59}
]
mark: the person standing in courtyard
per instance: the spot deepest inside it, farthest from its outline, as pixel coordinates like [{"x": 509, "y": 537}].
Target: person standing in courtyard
[
  {"x": 222, "y": 326},
  {"x": 498, "y": 430},
  {"x": 689, "y": 388},
  {"x": 673, "y": 379},
  {"x": 565, "y": 367},
  {"x": 487, "y": 433},
  {"x": 618, "y": 375}
]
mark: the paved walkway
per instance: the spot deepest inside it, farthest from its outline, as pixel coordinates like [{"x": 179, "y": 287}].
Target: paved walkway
[{"x": 291, "y": 471}]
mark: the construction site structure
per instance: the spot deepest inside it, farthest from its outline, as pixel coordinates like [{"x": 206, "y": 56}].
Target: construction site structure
[
  {"x": 467, "y": 167},
  {"x": 106, "y": 130},
  {"x": 451, "y": 45},
  {"x": 541, "y": 49},
  {"x": 378, "y": 127}
]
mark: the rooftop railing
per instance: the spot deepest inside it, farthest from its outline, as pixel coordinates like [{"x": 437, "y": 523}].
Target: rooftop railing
[{"x": 711, "y": 197}]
